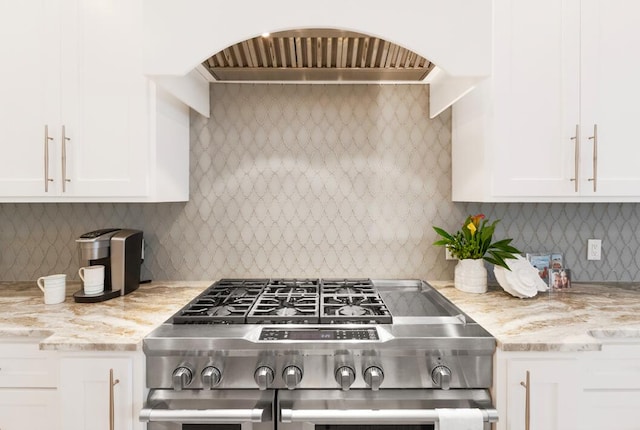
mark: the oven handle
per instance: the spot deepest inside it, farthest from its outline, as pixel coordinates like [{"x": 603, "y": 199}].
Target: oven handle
[
  {"x": 370, "y": 416},
  {"x": 203, "y": 416}
]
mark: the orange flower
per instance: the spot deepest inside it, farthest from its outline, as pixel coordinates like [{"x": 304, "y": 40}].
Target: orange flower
[{"x": 476, "y": 219}]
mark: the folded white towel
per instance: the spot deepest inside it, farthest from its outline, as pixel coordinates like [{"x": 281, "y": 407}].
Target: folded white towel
[{"x": 459, "y": 419}]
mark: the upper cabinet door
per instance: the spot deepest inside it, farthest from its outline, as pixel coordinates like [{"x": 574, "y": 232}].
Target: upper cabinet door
[
  {"x": 536, "y": 97},
  {"x": 104, "y": 95},
  {"x": 29, "y": 84},
  {"x": 610, "y": 92}
]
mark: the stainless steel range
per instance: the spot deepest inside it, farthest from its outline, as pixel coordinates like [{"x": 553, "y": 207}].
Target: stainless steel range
[{"x": 318, "y": 354}]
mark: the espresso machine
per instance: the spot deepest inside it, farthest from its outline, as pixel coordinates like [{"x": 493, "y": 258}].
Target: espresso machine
[{"x": 120, "y": 251}]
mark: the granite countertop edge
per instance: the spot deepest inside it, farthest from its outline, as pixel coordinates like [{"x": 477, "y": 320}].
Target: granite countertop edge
[
  {"x": 117, "y": 325},
  {"x": 582, "y": 319}
]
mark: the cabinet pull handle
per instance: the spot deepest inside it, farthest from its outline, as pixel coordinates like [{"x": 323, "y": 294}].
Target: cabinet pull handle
[
  {"x": 112, "y": 383},
  {"x": 576, "y": 157},
  {"x": 47, "y": 138},
  {"x": 64, "y": 159},
  {"x": 595, "y": 157},
  {"x": 527, "y": 401}
]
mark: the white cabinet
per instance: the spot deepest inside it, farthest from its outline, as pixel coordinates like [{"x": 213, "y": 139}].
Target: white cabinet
[
  {"x": 588, "y": 390},
  {"x": 76, "y": 70},
  {"x": 527, "y": 133},
  {"x": 92, "y": 385},
  {"x": 28, "y": 387},
  {"x": 32, "y": 409},
  {"x": 552, "y": 391},
  {"x": 102, "y": 99},
  {"x": 29, "y": 84},
  {"x": 610, "y": 90},
  {"x": 611, "y": 388}
]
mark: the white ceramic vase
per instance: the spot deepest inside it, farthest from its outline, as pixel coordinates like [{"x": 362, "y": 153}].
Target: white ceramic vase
[{"x": 471, "y": 276}]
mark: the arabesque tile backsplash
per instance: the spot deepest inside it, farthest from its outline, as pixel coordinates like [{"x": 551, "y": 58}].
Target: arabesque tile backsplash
[{"x": 315, "y": 180}]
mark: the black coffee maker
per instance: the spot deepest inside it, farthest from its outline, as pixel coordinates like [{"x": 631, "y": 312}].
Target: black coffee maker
[{"x": 120, "y": 252}]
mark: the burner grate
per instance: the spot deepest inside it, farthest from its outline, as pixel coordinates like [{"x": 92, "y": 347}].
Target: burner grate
[
  {"x": 225, "y": 302},
  {"x": 286, "y": 301},
  {"x": 352, "y": 301}
]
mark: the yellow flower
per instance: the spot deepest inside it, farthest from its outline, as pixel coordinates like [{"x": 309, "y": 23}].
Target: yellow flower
[{"x": 472, "y": 228}]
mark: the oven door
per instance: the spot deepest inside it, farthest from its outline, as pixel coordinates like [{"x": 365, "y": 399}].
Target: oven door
[
  {"x": 209, "y": 410},
  {"x": 376, "y": 410}
]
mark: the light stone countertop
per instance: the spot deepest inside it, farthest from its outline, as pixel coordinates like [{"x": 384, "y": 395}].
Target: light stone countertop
[
  {"x": 580, "y": 319},
  {"x": 118, "y": 324},
  {"x": 547, "y": 322}
]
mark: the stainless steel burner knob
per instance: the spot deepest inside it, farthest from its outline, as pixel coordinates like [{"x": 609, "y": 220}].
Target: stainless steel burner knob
[
  {"x": 210, "y": 376},
  {"x": 263, "y": 377},
  {"x": 373, "y": 376},
  {"x": 292, "y": 376},
  {"x": 441, "y": 376},
  {"x": 345, "y": 376},
  {"x": 182, "y": 377}
]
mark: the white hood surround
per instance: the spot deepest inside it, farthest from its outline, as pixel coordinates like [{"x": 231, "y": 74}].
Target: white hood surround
[{"x": 453, "y": 34}]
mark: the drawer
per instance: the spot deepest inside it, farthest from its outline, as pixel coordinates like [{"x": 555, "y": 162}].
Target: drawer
[
  {"x": 618, "y": 374},
  {"x": 616, "y": 367},
  {"x": 23, "y": 365}
]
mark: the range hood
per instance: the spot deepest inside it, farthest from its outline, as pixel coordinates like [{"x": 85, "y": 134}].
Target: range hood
[
  {"x": 185, "y": 50},
  {"x": 317, "y": 55}
]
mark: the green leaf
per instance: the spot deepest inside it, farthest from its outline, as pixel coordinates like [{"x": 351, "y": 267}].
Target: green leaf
[{"x": 443, "y": 233}]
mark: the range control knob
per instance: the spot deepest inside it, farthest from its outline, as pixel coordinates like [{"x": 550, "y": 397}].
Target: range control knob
[
  {"x": 182, "y": 377},
  {"x": 345, "y": 375},
  {"x": 210, "y": 376},
  {"x": 292, "y": 376},
  {"x": 373, "y": 376},
  {"x": 263, "y": 377},
  {"x": 441, "y": 376}
]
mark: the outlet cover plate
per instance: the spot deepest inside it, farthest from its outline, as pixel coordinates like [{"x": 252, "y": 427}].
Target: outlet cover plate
[{"x": 594, "y": 249}]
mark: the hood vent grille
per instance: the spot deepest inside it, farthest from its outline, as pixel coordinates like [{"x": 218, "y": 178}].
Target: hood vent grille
[{"x": 317, "y": 55}]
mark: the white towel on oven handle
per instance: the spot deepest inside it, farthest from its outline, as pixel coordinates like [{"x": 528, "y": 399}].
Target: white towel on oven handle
[{"x": 459, "y": 419}]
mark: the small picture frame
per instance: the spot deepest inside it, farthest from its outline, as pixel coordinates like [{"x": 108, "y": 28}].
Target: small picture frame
[
  {"x": 541, "y": 262},
  {"x": 559, "y": 279},
  {"x": 556, "y": 261}
]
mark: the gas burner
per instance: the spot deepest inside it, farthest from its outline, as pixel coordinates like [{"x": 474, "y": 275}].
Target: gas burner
[
  {"x": 220, "y": 311},
  {"x": 274, "y": 308},
  {"x": 346, "y": 290},
  {"x": 286, "y": 312},
  {"x": 351, "y": 310}
]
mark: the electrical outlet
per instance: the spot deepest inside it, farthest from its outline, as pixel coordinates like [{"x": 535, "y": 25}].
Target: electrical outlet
[
  {"x": 594, "y": 249},
  {"x": 447, "y": 254}
]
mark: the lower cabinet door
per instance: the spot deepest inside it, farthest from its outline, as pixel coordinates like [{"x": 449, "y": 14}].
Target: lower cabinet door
[
  {"x": 29, "y": 409},
  {"x": 547, "y": 399},
  {"x": 97, "y": 393}
]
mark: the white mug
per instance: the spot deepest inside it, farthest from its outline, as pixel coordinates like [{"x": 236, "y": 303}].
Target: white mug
[
  {"x": 92, "y": 278},
  {"x": 53, "y": 287}
]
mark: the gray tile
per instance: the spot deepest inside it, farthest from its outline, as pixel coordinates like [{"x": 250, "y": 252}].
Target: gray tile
[{"x": 315, "y": 180}]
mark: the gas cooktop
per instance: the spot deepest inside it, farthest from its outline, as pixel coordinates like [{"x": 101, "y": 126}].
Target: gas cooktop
[
  {"x": 247, "y": 327},
  {"x": 287, "y": 301}
]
